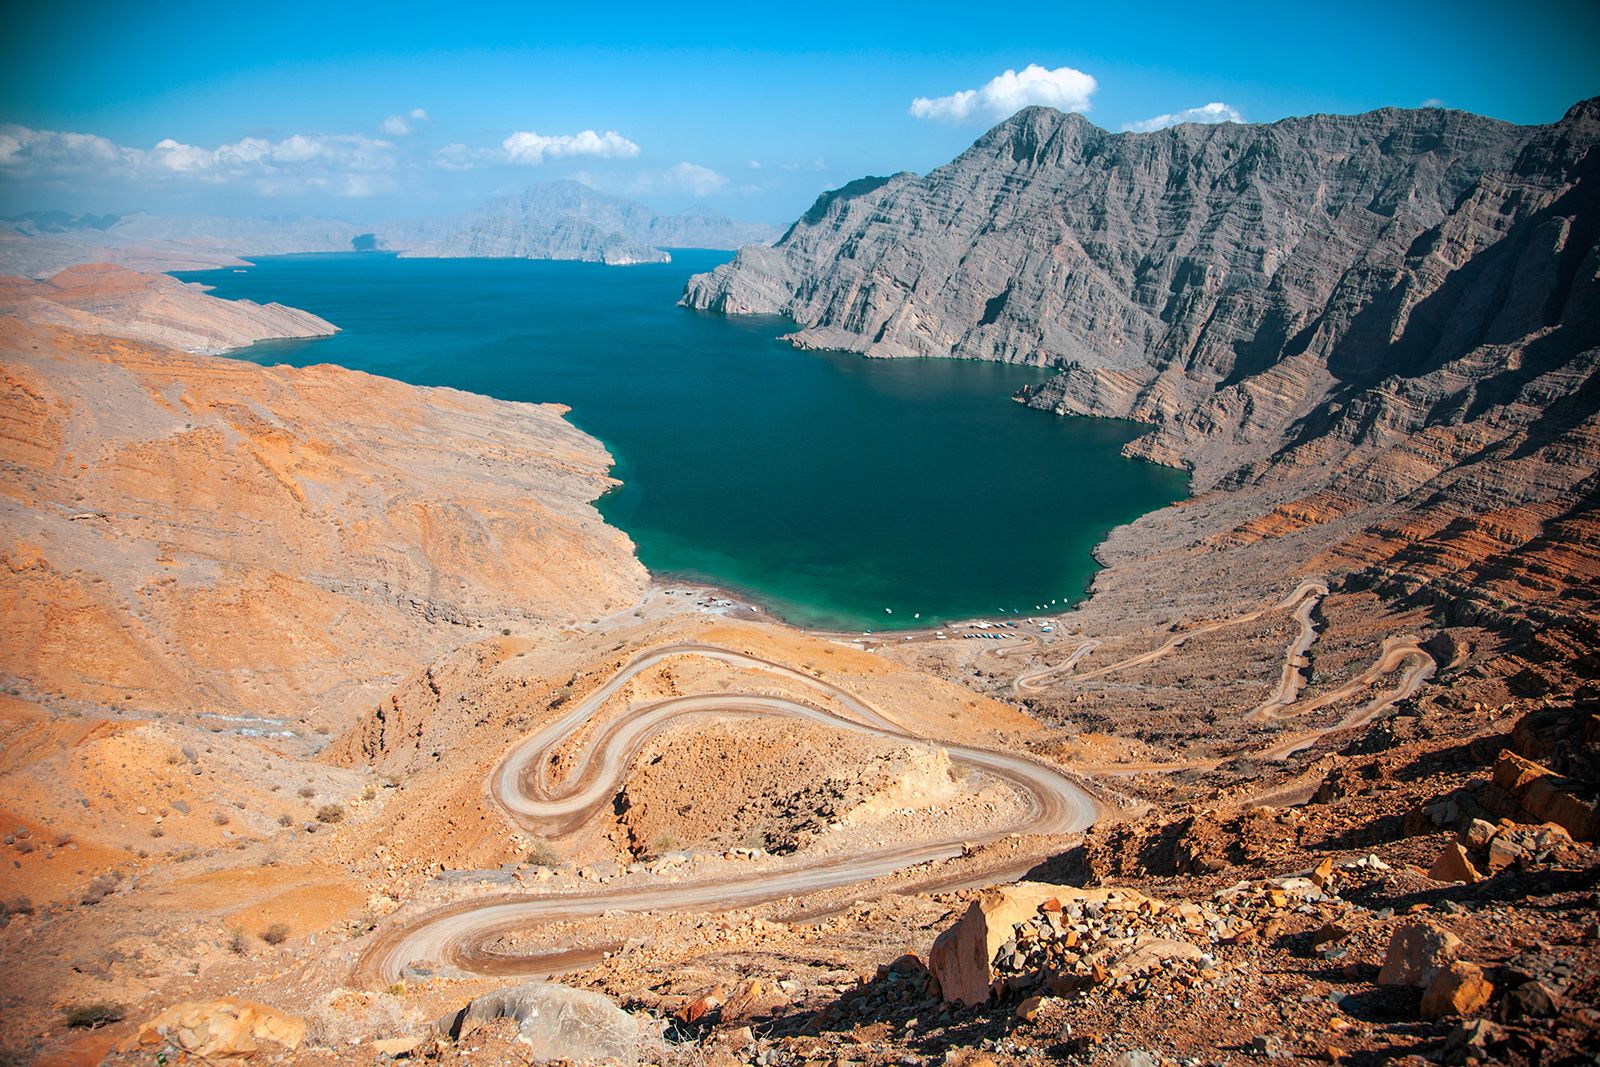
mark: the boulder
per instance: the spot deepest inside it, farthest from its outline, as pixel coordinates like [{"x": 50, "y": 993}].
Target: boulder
[
  {"x": 1459, "y": 989},
  {"x": 1546, "y": 796},
  {"x": 557, "y": 1022},
  {"x": 395, "y": 1046},
  {"x": 1503, "y": 852},
  {"x": 1472, "y": 1040},
  {"x": 1417, "y": 953},
  {"x": 962, "y": 960},
  {"x": 1453, "y": 865},
  {"x": 225, "y": 1029},
  {"x": 1531, "y": 1000}
]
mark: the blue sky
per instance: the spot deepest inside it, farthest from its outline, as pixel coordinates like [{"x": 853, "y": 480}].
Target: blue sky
[{"x": 365, "y": 112}]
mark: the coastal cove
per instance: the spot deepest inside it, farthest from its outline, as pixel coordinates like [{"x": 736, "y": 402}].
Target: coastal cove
[{"x": 825, "y": 486}]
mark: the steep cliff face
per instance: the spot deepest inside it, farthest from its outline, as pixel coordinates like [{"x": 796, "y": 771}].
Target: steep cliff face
[
  {"x": 1219, "y": 279},
  {"x": 1374, "y": 339}
]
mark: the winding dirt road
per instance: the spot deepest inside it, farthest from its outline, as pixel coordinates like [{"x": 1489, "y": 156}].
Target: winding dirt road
[
  {"x": 456, "y": 936},
  {"x": 1029, "y": 682},
  {"x": 1396, "y": 652}
]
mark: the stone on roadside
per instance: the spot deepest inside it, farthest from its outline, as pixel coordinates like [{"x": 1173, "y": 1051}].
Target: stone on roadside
[
  {"x": 1503, "y": 852},
  {"x": 395, "y": 1046},
  {"x": 222, "y": 1029},
  {"x": 962, "y": 960},
  {"x": 1459, "y": 989},
  {"x": 1417, "y": 952},
  {"x": 1453, "y": 865},
  {"x": 558, "y": 1022}
]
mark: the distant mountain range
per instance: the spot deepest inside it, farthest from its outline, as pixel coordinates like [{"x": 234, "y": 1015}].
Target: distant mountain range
[
  {"x": 569, "y": 220},
  {"x": 560, "y": 220}
]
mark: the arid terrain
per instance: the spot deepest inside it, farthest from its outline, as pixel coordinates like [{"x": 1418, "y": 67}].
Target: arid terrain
[{"x": 334, "y": 714}]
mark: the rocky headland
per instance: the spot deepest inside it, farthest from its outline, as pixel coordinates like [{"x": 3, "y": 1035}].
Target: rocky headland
[{"x": 101, "y": 298}]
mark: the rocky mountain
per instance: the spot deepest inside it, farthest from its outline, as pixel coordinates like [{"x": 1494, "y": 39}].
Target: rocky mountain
[
  {"x": 570, "y": 220},
  {"x": 1169, "y": 274},
  {"x": 1378, "y": 334},
  {"x": 102, "y": 298}
]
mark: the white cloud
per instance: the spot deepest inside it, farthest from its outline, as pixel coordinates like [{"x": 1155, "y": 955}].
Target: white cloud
[
  {"x": 534, "y": 148},
  {"x": 401, "y": 125},
  {"x": 331, "y": 162},
  {"x": 815, "y": 164},
  {"x": 686, "y": 177},
  {"x": 1432, "y": 101},
  {"x": 1211, "y": 113},
  {"x": 47, "y": 153},
  {"x": 755, "y": 164},
  {"x": 1063, "y": 88}
]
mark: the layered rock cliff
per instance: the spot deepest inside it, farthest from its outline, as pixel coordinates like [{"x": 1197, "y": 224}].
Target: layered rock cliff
[
  {"x": 1371, "y": 333},
  {"x": 101, "y": 298}
]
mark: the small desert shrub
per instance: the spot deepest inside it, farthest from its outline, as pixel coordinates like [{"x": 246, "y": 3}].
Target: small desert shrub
[
  {"x": 542, "y": 855},
  {"x": 238, "y": 943},
  {"x": 156, "y": 831},
  {"x": 286, "y": 819},
  {"x": 369, "y": 793},
  {"x": 220, "y": 818},
  {"x": 306, "y": 792},
  {"x": 330, "y": 813},
  {"x": 93, "y": 1016},
  {"x": 506, "y": 632},
  {"x": 99, "y": 889},
  {"x": 276, "y": 934}
]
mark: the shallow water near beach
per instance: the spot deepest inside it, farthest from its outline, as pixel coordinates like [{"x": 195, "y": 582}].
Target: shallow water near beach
[{"x": 832, "y": 490}]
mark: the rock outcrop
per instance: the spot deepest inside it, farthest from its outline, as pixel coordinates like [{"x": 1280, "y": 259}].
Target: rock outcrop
[{"x": 100, "y": 298}]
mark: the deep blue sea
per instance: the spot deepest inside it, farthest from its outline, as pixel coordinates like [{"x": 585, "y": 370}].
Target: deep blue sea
[{"x": 825, "y": 486}]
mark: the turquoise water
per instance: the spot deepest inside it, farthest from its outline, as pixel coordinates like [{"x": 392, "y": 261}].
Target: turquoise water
[{"x": 825, "y": 486}]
